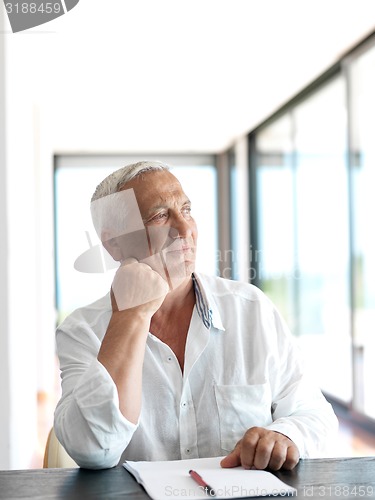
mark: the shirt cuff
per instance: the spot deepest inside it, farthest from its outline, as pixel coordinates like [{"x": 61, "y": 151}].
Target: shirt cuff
[
  {"x": 290, "y": 431},
  {"x": 97, "y": 398}
]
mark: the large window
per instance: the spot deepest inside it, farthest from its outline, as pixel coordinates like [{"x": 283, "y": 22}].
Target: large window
[
  {"x": 274, "y": 255},
  {"x": 322, "y": 229},
  {"x": 303, "y": 240},
  {"x": 362, "y": 126},
  {"x": 313, "y": 173},
  {"x": 75, "y": 182}
]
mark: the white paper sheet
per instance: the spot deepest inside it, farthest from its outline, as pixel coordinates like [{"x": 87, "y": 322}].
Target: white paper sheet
[{"x": 171, "y": 480}]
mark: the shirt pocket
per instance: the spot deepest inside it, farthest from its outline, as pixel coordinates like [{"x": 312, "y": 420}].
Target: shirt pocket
[{"x": 241, "y": 407}]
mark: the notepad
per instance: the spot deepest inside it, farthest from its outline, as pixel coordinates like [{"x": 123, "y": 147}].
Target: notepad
[{"x": 171, "y": 480}]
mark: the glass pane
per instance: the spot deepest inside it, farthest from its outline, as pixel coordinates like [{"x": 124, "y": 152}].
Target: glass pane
[
  {"x": 275, "y": 252},
  {"x": 75, "y": 233},
  {"x": 303, "y": 230},
  {"x": 363, "y": 173},
  {"x": 323, "y": 237},
  {"x": 234, "y": 219}
]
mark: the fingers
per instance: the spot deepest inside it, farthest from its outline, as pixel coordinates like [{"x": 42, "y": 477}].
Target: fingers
[
  {"x": 277, "y": 457},
  {"x": 137, "y": 285},
  {"x": 262, "y": 448},
  {"x": 292, "y": 458},
  {"x": 233, "y": 459},
  {"x": 264, "y": 451}
]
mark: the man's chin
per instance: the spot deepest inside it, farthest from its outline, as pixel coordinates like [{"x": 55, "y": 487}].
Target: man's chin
[{"x": 177, "y": 275}]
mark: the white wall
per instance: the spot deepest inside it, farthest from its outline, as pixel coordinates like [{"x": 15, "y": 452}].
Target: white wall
[
  {"x": 25, "y": 193},
  {"x": 44, "y": 258},
  {"x": 4, "y": 276},
  {"x": 19, "y": 330}
]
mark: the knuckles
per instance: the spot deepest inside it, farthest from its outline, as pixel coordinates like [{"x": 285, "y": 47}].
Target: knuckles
[
  {"x": 137, "y": 284},
  {"x": 263, "y": 448}
]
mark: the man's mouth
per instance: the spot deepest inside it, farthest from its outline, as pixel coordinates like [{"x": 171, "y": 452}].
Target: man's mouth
[{"x": 179, "y": 248}]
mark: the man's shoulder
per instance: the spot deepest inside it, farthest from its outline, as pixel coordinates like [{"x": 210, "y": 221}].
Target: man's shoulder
[{"x": 90, "y": 315}]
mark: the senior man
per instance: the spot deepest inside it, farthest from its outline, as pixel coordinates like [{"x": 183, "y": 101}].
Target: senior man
[{"x": 174, "y": 364}]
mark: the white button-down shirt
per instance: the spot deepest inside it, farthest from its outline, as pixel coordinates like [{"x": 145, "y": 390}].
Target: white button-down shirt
[{"x": 242, "y": 369}]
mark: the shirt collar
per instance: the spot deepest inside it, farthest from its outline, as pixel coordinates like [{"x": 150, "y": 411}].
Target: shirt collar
[{"x": 206, "y": 306}]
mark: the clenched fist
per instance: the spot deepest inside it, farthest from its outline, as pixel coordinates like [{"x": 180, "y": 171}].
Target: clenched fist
[
  {"x": 262, "y": 448},
  {"x": 137, "y": 285}
]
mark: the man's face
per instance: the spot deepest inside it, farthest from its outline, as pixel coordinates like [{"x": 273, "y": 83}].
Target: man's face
[{"x": 171, "y": 232}]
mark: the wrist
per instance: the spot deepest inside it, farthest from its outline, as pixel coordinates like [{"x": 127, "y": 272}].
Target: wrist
[{"x": 131, "y": 321}]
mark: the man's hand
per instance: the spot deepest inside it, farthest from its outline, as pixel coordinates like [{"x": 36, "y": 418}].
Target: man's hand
[
  {"x": 262, "y": 448},
  {"x": 137, "y": 285}
]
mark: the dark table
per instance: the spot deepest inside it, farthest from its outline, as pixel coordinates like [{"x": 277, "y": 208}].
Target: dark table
[{"x": 320, "y": 479}]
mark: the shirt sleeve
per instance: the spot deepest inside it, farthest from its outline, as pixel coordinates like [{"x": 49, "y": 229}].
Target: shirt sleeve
[
  {"x": 300, "y": 411},
  {"x": 88, "y": 422}
]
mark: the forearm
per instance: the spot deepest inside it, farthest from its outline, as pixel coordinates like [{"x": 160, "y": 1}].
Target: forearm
[
  {"x": 122, "y": 353},
  {"x": 137, "y": 293}
]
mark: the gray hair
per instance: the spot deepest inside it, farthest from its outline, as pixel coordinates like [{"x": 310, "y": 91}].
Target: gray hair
[
  {"x": 116, "y": 180},
  {"x": 110, "y": 205}
]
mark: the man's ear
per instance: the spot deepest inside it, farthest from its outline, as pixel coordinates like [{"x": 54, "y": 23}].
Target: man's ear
[{"x": 112, "y": 246}]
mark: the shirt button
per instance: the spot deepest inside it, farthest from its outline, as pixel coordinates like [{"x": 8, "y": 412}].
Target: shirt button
[
  {"x": 169, "y": 358},
  {"x": 187, "y": 450},
  {"x": 183, "y": 404}
]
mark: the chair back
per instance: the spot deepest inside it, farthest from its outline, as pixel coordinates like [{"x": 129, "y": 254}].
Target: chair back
[{"x": 55, "y": 455}]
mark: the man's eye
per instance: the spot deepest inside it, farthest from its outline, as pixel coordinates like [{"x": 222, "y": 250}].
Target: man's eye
[
  {"x": 159, "y": 217},
  {"x": 186, "y": 211}
]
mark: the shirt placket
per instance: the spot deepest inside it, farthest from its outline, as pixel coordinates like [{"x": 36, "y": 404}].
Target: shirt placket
[{"x": 188, "y": 425}]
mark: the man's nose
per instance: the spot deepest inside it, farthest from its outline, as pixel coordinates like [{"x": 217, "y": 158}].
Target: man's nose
[{"x": 180, "y": 228}]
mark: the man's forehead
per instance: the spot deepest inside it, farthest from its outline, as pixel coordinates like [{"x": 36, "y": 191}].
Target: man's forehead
[
  {"x": 169, "y": 191},
  {"x": 155, "y": 187}
]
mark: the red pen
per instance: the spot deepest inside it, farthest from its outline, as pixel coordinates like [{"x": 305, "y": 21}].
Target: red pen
[{"x": 199, "y": 479}]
